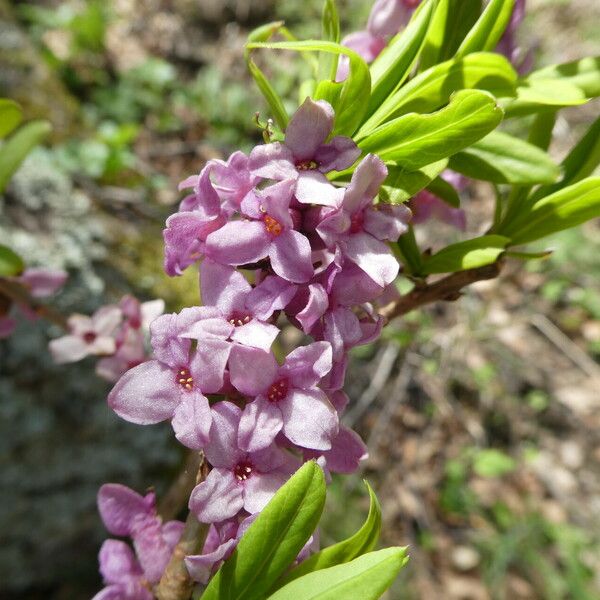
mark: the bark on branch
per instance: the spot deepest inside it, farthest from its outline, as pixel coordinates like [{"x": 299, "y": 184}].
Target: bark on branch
[
  {"x": 448, "y": 289},
  {"x": 176, "y": 583}
]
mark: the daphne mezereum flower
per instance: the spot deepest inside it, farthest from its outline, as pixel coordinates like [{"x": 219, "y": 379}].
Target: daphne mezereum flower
[
  {"x": 304, "y": 156},
  {"x": 287, "y": 397},
  {"x": 239, "y": 479},
  {"x": 128, "y": 514},
  {"x": 173, "y": 384},
  {"x": 267, "y": 230},
  {"x": 88, "y": 335},
  {"x": 359, "y": 227}
]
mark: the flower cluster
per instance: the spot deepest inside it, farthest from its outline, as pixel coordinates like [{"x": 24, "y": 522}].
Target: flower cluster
[
  {"x": 273, "y": 236},
  {"x": 130, "y": 575},
  {"x": 114, "y": 332},
  {"x": 39, "y": 283}
]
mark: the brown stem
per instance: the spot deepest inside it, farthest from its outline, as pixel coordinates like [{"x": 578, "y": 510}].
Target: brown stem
[
  {"x": 449, "y": 289},
  {"x": 178, "y": 494},
  {"x": 176, "y": 583},
  {"x": 20, "y": 295}
]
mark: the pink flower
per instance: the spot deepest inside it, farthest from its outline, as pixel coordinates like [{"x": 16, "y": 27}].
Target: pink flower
[{"x": 88, "y": 336}]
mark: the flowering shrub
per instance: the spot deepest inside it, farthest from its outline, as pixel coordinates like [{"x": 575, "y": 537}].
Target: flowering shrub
[{"x": 310, "y": 230}]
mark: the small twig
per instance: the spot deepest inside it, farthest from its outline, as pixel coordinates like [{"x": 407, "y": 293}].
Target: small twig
[
  {"x": 179, "y": 492},
  {"x": 20, "y": 295},
  {"x": 176, "y": 583},
  {"x": 448, "y": 289}
]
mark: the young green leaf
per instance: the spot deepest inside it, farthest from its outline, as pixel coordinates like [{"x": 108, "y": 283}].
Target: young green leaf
[
  {"x": 364, "y": 578},
  {"x": 564, "y": 209},
  {"x": 11, "y": 264},
  {"x": 401, "y": 185},
  {"x": 353, "y": 98},
  {"x": 452, "y": 21},
  {"x": 17, "y": 147},
  {"x": 502, "y": 158},
  {"x": 330, "y": 28},
  {"x": 431, "y": 89},
  {"x": 261, "y": 34},
  {"x": 488, "y": 30},
  {"x": 536, "y": 95},
  {"x": 393, "y": 65},
  {"x": 414, "y": 140},
  {"x": 445, "y": 191},
  {"x": 584, "y": 74},
  {"x": 10, "y": 116},
  {"x": 469, "y": 254},
  {"x": 363, "y": 541},
  {"x": 408, "y": 253},
  {"x": 273, "y": 541}
]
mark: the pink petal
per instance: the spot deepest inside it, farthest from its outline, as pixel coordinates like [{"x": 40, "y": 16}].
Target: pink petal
[
  {"x": 106, "y": 319},
  {"x": 43, "y": 282},
  {"x": 260, "y": 488},
  {"x": 365, "y": 183},
  {"x": 272, "y": 161},
  {"x": 260, "y": 423},
  {"x": 238, "y": 243},
  {"x": 309, "y": 419},
  {"x": 374, "y": 257},
  {"x": 119, "y": 506},
  {"x": 222, "y": 449},
  {"x": 146, "y": 394},
  {"x": 201, "y": 566},
  {"x": 313, "y": 187},
  {"x": 305, "y": 366},
  {"x": 223, "y": 286},
  {"x": 69, "y": 348},
  {"x": 386, "y": 221},
  {"x": 309, "y": 128},
  {"x": 118, "y": 563},
  {"x": 271, "y": 294},
  {"x": 316, "y": 305},
  {"x": 252, "y": 370},
  {"x": 339, "y": 154},
  {"x": 255, "y": 334},
  {"x": 191, "y": 420},
  {"x": 207, "y": 364},
  {"x": 217, "y": 498},
  {"x": 290, "y": 256}
]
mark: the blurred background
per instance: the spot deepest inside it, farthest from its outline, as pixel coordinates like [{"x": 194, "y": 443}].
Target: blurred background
[{"x": 482, "y": 416}]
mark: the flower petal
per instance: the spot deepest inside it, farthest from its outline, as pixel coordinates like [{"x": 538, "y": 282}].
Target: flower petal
[
  {"x": 217, "y": 498},
  {"x": 339, "y": 154},
  {"x": 309, "y": 419},
  {"x": 313, "y": 187},
  {"x": 191, "y": 420},
  {"x": 119, "y": 506},
  {"x": 238, "y": 243},
  {"x": 260, "y": 423},
  {"x": 106, "y": 319},
  {"x": 255, "y": 334},
  {"x": 201, "y": 566},
  {"x": 365, "y": 183},
  {"x": 290, "y": 256},
  {"x": 146, "y": 394},
  {"x": 207, "y": 364},
  {"x": 117, "y": 562},
  {"x": 223, "y": 286},
  {"x": 374, "y": 257},
  {"x": 305, "y": 366},
  {"x": 272, "y": 161},
  {"x": 260, "y": 488},
  {"x": 252, "y": 370},
  {"x": 68, "y": 348},
  {"x": 271, "y": 294},
  {"x": 308, "y": 128},
  {"x": 222, "y": 449},
  {"x": 387, "y": 222}
]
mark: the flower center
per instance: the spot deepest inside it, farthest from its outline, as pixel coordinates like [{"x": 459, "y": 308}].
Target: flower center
[
  {"x": 278, "y": 391},
  {"x": 243, "y": 470},
  {"x": 273, "y": 226},
  {"x": 89, "y": 337},
  {"x": 307, "y": 165},
  {"x": 237, "y": 319},
  {"x": 356, "y": 222},
  {"x": 185, "y": 379}
]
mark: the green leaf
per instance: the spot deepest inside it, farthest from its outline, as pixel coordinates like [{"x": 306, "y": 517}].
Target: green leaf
[
  {"x": 393, "y": 65},
  {"x": 330, "y": 28},
  {"x": 563, "y": 209},
  {"x": 364, "y": 578},
  {"x": 502, "y": 158},
  {"x": 353, "y": 99},
  {"x": 416, "y": 140},
  {"x": 273, "y": 99},
  {"x": 11, "y": 116},
  {"x": 584, "y": 74},
  {"x": 401, "y": 185},
  {"x": 17, "y": 147},
  {"x": 493, "y": 463},
  {"x": 440, "y": 188},
  {"x": 11, "y": 264},
  {"x": 535, "y": 95},
  {"x": 273, "y": 541},
  {"x": 363, "y": 541},
  {"x": 469, "y": 254},
  {"x": 408, "y": 252},
  {"x": 431, "y": 89},
  {"x": 452, "y": 21},
  {"x": 488, "y": 30}
]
